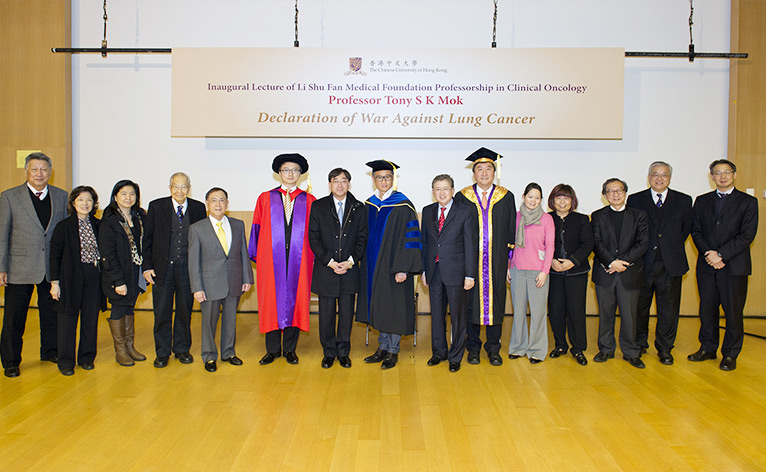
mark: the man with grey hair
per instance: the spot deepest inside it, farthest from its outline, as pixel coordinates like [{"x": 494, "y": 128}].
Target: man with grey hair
[
  {"x": 166, "y": 266},
  {"x": 670, "y": 222},
  {"x": 28, "y": 215}
]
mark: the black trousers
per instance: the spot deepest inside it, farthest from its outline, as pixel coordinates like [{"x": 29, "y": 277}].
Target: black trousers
[
  {"x": 722, "y": 289},
  {"x": 609, "y": 299},
  {"x": 457, "y": 298},
  {"x": 279, "y": 341},
  {"x": 667, "y": 291},
  {"x": 88, "y": 316},
  {"x": 336, "y": 341},
  {"x": 566, "y": 310},
  {"x": 473, "y": 340},
  {"x": 17, "y": 297},
  {"x": 173, "y": 336}
]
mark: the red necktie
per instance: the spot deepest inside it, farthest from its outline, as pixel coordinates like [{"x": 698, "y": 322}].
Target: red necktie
[
  {"x": 37, "y": 194},
  {"x": 441, "y": 225}
]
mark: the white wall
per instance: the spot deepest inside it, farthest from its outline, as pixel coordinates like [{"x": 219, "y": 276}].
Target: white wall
[{"x": 674, "y": 110}]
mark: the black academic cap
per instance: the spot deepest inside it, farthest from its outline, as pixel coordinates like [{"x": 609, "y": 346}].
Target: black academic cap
[
  {"x": 483, "y": 155},
  {"x": 381, "y": 164},
  {"x": 295, "y": 158}
]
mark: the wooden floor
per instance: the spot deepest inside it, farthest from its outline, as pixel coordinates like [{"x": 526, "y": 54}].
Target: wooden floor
[{"x": 553, "y": 416}]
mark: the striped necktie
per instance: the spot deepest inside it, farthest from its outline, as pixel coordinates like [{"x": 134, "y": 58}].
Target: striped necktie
[
  {"x": 659, "y": 200},
  {"x": 288, "y": 204},
  {"x": 180, "y": 213},
  {"x": 340, "y": 213}
]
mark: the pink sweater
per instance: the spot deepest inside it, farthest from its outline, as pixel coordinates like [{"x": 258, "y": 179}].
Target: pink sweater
[{"x": 537, "y": 239}]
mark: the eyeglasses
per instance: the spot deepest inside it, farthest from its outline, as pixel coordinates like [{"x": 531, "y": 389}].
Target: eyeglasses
[
  {"x": 654, "y": 175},
  {"x": 289, "y": 171},
  {"x": 381, "y": 178},
  {"x": 617, "y": 191},
  {"x": 719, "y": 173},
  {"x": 339, "y": 181},
  {"x": 180, "y": 187},
  {"x": 561, "y": 198}
]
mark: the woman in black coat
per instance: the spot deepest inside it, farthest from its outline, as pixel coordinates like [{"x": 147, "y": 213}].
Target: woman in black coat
[
  {"x": 569, "y": 273},
  {"x": 120, "y": 240},
  {"x": 76, "y": 280}
]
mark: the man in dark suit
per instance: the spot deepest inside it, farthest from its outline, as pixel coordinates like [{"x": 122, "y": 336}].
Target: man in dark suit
[
  {"x": 28, "y": 215},
  {"x": 725, "y": 223},
  {"x": 621, "y": 236},
  {"x": 450, "y": 264},
  {"x": 670, "y": 222},
  {"x": 219, "y": 273},
  {"x": 338, "y": 239},
  {"x": 166, "y": 266}
]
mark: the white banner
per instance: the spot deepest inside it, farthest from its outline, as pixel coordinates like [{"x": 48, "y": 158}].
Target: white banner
[{"x": 398, "y": 93}]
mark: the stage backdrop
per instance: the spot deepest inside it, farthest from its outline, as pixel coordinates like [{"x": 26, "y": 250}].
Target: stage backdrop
[{"x": 398, "y": 93}]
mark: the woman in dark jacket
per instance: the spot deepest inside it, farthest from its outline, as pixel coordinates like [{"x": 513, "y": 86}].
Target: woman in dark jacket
[
  {"x": 76, "y": 280},
  {"x": 120, "y": 240},
  {"x": 569, "y": 273}
]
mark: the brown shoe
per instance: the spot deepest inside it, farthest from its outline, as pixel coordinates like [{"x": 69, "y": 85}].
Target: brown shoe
[
  {"x": 129, "y": 334},
  {"x": 117, "y": 327}
]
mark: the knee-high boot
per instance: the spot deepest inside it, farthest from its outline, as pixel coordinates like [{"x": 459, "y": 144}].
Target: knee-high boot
[
  {"x": 129, "y": 335},
  {"x": 117, "y": 327}
]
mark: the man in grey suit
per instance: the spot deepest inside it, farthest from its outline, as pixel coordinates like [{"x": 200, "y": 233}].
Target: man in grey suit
[
  {"x": 219, "y": 273},
  {"x": 28, "y": 214}
]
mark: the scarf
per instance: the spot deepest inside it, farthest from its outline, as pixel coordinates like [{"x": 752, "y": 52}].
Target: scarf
[
  {"x": 134, "y": 248},
  {"x": 528, "y": 217}
]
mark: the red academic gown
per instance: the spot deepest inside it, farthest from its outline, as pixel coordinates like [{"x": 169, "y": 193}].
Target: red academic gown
[{"x": 284, "y": 289}]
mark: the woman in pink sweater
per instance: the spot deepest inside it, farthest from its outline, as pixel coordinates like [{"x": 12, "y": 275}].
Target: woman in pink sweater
[{"x": 528, "y": 271}]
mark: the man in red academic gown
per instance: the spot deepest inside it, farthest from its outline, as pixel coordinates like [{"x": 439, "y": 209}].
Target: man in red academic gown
[{"x": 279, "y": 247}]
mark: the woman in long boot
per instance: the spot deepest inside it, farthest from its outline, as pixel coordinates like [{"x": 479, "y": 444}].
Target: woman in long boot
[{"x": 120, "y": 241}]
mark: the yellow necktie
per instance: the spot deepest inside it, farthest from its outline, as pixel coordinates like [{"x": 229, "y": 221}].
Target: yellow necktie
[{"x": 222, "y": 237}]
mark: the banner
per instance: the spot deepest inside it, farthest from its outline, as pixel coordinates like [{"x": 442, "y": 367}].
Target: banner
[{"x": 398, "y": 93}]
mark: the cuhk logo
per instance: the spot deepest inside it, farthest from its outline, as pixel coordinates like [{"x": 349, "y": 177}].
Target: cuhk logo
[{"x": 355, "y": 66}]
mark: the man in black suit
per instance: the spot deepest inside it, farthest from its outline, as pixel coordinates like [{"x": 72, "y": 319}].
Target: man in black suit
[
  {"x": 450, "y": 264},
  {"x": 166, "y": 265},
  {"x": 28, "y": 215},
  {"x": 670, "y": 222},
  {"x": 725, "y": 223},
  {"x": 338, "y": 239},
  {"x": 621, "y": 236}
]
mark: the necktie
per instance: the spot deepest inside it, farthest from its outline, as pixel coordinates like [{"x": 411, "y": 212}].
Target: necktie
[
  {"x": 288, "y": 203},
  {"x": 37, "y": 194},
  {"x": 441, "y": 220},
  {"x": 180, "y": 213},
  {"x": 222, "y": 237},
  {"x": 340, "y": 213},
  {"x": 659, "y": 200},
  {"x": 484, "y": 199}
]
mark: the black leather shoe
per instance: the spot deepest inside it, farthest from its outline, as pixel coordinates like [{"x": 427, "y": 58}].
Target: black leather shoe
[
  {"x": 602, "y": 357},
  {"x": 50, "y": 358},
  {"x": 68, "y": 371},
  {"x": 580, "y": 358},
  {"x": 210, "y": 366},
  {"x": 327, "y": 362},
  {"x": 161, "y": 362},
  {"x": 666, "y": 358},
  {"x": 534, "y": 360},
  {"x": 495, "y": 359},
  {"x": 268, "y": 358},
  {"x": 728, "y": 363},
  {"x": 344, "y": 361},
  {"x": 701, "y": 355},
  {"x": 473, "y": 358},
  {"x": 558, "y": 352},
  {"x": 12, "y": 372},
  {"x": 635, "y": 362},
  {"x": 233, "y": 360},
  {"x": 434, "y": 361},
  {"x": 376, "y": 357},
  {"x": 87, "y": 366},
  {"x": 454, "y": 366},
  {"x": 642, "y": 351},
  {"x": 513, "y": 356},
  {"x": 291, "y": 357},
  {"x": 390, "y": 361},
  {"x": 185, "y": 357}
]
